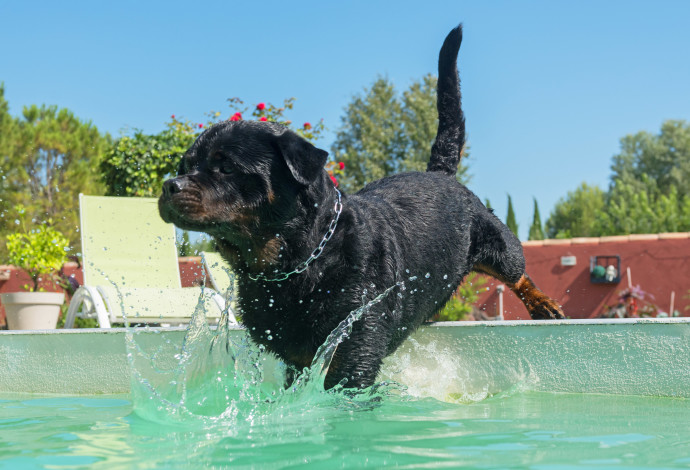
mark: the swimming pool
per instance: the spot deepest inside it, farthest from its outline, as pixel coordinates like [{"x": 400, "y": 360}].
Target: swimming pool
[
  {"x": 571, "y": 394},
  {"x": 512, "y": 430}
]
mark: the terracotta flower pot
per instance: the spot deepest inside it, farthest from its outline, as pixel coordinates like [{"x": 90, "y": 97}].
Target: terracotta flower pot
[{"x": 32, "y": 310}]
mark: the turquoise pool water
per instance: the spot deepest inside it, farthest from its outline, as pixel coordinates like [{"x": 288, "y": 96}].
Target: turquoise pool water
[
  {"x": 217, "y": 401},
  {"x": 516, "y": 429}
]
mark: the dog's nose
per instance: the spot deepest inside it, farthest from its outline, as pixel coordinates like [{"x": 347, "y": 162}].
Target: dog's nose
[{"x": 173, "y": 185}]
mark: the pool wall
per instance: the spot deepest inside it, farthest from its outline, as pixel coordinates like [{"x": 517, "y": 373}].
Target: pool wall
[{"x": 631, "y": 357}]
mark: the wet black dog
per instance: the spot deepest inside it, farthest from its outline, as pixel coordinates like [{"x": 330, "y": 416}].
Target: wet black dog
[{"x": 304, "y": 259}]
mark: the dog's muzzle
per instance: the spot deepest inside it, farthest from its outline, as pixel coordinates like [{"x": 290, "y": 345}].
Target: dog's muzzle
[{"x": 175, "y": 185}]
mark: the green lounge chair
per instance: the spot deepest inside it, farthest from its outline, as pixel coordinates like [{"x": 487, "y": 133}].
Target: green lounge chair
[
  {"x": 131, "y": 272},
  {"x": 220, "y": 274}
]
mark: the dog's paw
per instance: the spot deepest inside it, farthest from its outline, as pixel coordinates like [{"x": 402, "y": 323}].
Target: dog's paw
[{"x": 548, "y": 309}]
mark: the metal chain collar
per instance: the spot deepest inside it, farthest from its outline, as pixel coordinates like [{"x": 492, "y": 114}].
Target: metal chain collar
[{"x": 314, "y": 254}]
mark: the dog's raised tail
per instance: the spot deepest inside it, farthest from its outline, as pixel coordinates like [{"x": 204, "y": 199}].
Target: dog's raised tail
[{"x": 450, "y": 139}]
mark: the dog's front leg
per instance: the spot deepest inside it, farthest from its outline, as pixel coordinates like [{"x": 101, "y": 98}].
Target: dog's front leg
[{"x": 357, "y": 361}]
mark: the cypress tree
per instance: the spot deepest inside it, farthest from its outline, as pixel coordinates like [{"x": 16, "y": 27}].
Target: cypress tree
[
  {"x": 511, "y": 222},
  {"x": 536, "y": 232}
]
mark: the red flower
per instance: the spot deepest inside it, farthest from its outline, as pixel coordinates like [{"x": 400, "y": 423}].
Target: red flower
[
  {"x": 307, "y": 125},
  {"x": 263, "y": 118},
  {"x": 200, "y": 126},
  {"x": 341, "y": 165},
  {"x": 260, "y": 106},
  {"x": 172, "y": 117},
  {"x": 335, "y": 181},
  {"x": 236, "y": 117}
]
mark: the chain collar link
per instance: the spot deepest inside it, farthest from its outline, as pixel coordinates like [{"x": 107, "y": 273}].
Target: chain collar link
[{"x": 338, "y": 208}]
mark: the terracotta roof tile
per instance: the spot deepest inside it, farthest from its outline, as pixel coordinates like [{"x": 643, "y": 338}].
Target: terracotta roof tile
[{"x": 609, "y": 239}]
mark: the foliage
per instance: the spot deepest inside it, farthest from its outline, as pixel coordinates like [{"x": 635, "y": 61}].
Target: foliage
[
  {"x": 185, "y": 247},
  {"x": 649, "y": 190},
  {"x": 633, "y": 302},
  {"x": 48, "y": 158},
  {"x": 664, "y": 159},
  {"x": 383, "y": 132},
  {"x": 137, "y": 165},
  {"x": 511, "y": 221},
  {"x": 40, "y": 252},
  {"x": 8, "y": 138},
  {"x": 575, "y": 215},
  {"x": 272, "y": 113},
  {"x": 536, "y": 232},
  {"x": 461, "y": 305},
  {"x": 631, "y": 210}
]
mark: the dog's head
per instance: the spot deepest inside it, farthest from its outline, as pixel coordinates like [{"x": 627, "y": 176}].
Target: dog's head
[{"x": 240, "y": 178}]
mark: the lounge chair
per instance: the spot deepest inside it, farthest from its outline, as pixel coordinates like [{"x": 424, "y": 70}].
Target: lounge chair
[
  {"x": 131, "y": 272},
  {"x": 220, "y": 274}
]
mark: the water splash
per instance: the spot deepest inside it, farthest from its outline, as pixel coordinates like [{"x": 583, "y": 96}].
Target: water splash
[{"x": 220, "y": 376}]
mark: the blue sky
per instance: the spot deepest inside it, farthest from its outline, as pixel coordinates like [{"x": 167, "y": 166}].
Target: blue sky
[{"x": 549, "y": 87}]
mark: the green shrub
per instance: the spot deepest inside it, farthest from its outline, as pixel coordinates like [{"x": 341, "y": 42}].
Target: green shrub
[
  {"x": 40, "y": 252},
  {"x": 461, "y": 305}
]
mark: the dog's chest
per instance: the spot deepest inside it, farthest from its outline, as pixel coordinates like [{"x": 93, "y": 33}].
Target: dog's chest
[{"x": 286, "y": 321}]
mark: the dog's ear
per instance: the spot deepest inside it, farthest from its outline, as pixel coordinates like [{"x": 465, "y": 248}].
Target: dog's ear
[{"x": 303, "y": 159}]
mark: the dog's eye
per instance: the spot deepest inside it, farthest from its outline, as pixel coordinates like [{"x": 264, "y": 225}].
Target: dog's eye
[{"x": 226, "y": 170}]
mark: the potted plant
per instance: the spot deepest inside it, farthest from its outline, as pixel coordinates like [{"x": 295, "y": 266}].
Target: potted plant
[{"x": 40, "y": 252}]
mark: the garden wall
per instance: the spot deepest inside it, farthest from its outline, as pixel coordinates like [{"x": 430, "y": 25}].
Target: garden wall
[{"x": 659, "y": 264}]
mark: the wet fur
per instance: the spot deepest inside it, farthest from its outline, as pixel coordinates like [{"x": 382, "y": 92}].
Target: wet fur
[{"x": 261, "y": 191}]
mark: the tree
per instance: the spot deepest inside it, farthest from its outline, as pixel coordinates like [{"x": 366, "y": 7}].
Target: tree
[
  {"x": 511, "y": 221},
  {"x": 383, "y": 133},
  {"x": 576, "y": 214},
  {"x": 536, "y": 232},
  {"x": 664, "y": 158},
  {"x": 7, "y": 142},
  {"x": 49, "y": 156},
  {"x": 631, "y": 210},
  {"x": 648, "y": 191}
]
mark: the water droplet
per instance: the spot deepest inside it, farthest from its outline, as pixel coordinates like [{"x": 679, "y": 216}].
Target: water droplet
[
  {"x": 413, "y": 278},
  {"x": 427, "y": 275},
  {"x": 445, "y": 276}
]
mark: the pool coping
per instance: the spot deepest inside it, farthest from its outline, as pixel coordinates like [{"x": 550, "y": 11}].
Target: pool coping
[
  {"x": 619, "y": 356},
  {"x": 446, "y": 324}
]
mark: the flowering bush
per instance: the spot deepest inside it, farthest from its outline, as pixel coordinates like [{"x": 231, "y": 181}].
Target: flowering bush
[
  {"x": 137, "y": 165},
  {"x": 268, "y": 112},
  {"x": 633, "y": 302}
]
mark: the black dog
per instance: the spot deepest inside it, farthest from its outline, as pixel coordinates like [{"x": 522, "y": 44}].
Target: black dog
[{"x": 305, "y": 259}]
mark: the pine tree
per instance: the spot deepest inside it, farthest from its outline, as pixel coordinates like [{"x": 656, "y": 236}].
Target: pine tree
[
  {"x": 536, "y": 232},
  {"x": 511, "y": 222},
  {"x": 384, "y": 132}
]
